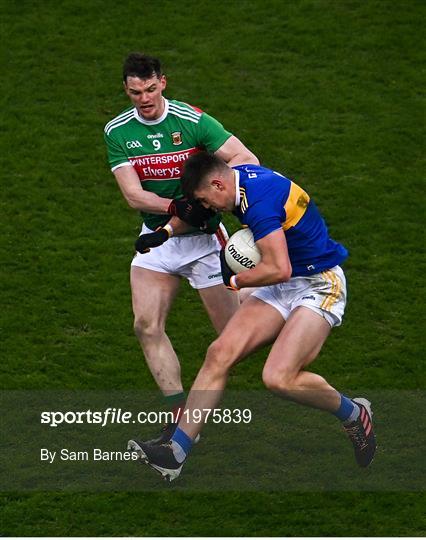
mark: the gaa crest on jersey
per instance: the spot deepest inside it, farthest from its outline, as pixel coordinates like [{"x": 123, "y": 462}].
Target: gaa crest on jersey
[{"x": 177, "y": 138}]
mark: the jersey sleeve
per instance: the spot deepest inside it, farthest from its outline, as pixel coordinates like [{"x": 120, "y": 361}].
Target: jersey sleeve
[
  {"x": 211, "y": 133},
  {"x": 262, "y": 220},
  {"x": 116, "y": 154}
]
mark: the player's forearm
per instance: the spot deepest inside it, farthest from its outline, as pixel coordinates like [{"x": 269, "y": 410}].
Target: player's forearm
[
  {"x": 136, "y": 196},
  {"x": 263, "y": 274},
  {"x": 146, "y": 201},
  {"x": 180, "y": 227}
]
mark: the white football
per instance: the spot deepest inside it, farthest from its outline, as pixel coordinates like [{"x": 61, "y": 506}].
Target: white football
[{"x": 241, "y": 252}]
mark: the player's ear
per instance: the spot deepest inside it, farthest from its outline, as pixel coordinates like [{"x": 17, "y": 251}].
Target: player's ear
[
  {"x": 163, "y": 82},
  {"x": 125, "y": 87},
  {"x": 218, "y": 184}
]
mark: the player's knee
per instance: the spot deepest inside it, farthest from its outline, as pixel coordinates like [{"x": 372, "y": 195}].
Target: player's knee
[
  {"x": 146, "y": 329},
  {"x": 219, "y": 356},
  {"x": 277, "y": 381}
]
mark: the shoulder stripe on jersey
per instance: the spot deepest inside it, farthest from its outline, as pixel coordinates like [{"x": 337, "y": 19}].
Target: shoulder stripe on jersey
[
  {"x": 193, "y": 115},
  {"x": 184, "y": 117},
  {"x": 125, "y": 120},
  {"x": 109, "y": 127},
  {"x": 295, "y": 206},
  {"x": 185, "y": 110},
  {"x": 118, "y": 118}
]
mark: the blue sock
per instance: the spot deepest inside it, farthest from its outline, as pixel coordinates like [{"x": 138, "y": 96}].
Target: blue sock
[
  {"x": 185, "y": 443},
  {"x": 347, "y": 407}
]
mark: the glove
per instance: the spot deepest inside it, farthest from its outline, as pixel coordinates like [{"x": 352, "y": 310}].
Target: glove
[
  {"x": 192, "y": 212},
  {"x": 150, "y": 240},
  {"x": 227, "y": 273}
]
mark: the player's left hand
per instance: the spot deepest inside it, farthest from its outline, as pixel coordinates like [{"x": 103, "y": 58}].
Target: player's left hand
[
  {"x": 192, "y": 212},
  {"x": 227, "y": 273},
  {"x": 151, "y": 240}
]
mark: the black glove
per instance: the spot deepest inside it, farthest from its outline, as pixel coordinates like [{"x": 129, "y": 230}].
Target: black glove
[
  {"x": 150, "y": 240},
  {"x": 192, "y": 212},
  {"x": 227, "y": 273}
]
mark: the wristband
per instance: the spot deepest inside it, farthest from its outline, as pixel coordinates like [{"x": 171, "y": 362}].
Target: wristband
[
  {"x": 167, "y": 227},
  {"x": 233, "y": 283}
]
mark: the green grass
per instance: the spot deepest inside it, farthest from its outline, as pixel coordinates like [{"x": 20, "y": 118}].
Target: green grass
[
  {"x": 329, "y": 92},
  {"x": 237, "y": 514}
]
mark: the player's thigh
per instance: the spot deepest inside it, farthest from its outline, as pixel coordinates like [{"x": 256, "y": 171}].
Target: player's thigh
[
  {"x": 245, "y": 293},
  {"x": 220, "y": 304},
  {"x": 152, "y": 294},
  {"x": 298, "y": 343},
  {"x": 254, "y": 324}
]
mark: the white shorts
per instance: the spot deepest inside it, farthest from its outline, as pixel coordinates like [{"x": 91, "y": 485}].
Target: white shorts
[
  {"x": 324, "y": 293},
  {"x": 195, "y": 257}
]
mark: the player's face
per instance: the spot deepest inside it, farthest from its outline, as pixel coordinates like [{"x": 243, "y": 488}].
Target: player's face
[
  {"x": 147, "y": 95},
  {"x": 214, "y": 195}
]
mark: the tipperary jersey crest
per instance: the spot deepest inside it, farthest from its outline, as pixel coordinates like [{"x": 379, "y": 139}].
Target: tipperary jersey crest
[{"x": 177, "y": 138}]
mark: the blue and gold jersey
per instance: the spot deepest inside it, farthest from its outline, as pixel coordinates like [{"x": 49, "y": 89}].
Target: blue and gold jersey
[{"x": 267, "y": 201}]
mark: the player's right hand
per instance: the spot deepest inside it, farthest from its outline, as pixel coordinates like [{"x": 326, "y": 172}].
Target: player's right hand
[
  {"x": 192, "y": 212},
  {"x": 151, "y": 240}
]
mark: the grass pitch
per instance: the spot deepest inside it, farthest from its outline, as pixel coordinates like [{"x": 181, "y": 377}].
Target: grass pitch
[{"x": 328, "y": 92}]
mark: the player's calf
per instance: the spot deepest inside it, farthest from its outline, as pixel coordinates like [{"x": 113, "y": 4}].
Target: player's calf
[{"x": 219, "y": 357}]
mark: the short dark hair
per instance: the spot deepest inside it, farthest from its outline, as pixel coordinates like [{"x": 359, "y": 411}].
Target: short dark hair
[
  {"x": 142, "y": 66},
  {"x": 197, "y": 168}
]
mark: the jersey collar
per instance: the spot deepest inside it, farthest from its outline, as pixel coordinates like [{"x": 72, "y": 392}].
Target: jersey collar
[
  {"x": 153, "y": 122},
  {"x": 237, "y": 188}
]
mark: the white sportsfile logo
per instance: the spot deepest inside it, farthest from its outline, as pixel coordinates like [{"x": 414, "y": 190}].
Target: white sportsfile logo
[{"x": 133, "y": 144}]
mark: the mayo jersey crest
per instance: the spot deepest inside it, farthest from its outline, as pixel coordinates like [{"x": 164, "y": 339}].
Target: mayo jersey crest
[{"x": 268, "y": 201}]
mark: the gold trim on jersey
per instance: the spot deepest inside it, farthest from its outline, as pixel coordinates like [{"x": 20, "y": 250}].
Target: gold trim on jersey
[
  {"x": 295, "y": 206},
  {"x": 336, "y": 289},
  {"x": 243, "y": 199}
]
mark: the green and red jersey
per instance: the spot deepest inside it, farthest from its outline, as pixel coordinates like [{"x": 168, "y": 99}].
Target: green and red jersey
[{"x": 157, "y": 149}]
